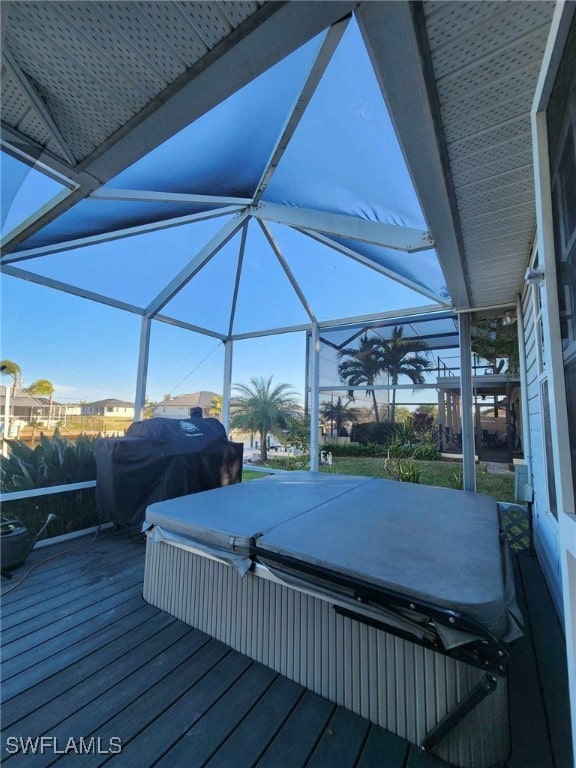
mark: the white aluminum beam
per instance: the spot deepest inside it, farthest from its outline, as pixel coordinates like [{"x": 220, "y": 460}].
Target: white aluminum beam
[
  {"x": 318, "y": 68},
  {"x": 526, "y": 442},
  {"x": 271, "y": 332},
  {"x": 426, "y": 312},
  {"x": 36, "y": 156},
  {"x": 37, "y": 105},
  {"x": 74, "y": 290},
  {"x": 466, "y": 401},
  {"x": 288, "y": 272},
  {"x": 150, "y": 196},
  {"x": 387, "y": 235},
  {"x": 195, "y": 265},
  {"x": 406, "y": 79},
  {"x": 119, "y": 234},
  {"x": 273, "y": 32},
  {"x": 314, "y": 398},
  {"x": 365, "y": 261},
  {"x": 142, "y": 374},
  {"x": 227, "y": 384},
  {"x": 189, "y": 326},
  {"x": 377, "y": 387},
  {"x": 237, "y": 280}
]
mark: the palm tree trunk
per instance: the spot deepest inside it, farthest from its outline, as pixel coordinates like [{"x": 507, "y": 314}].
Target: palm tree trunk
[
  {"x": 376, "y": 414},
  {"x": 393, "y": 410},
  {"x": 263, "y": 446}
]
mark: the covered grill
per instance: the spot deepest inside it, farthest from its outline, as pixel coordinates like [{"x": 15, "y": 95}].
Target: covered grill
[{"x": 161, "y": 459}]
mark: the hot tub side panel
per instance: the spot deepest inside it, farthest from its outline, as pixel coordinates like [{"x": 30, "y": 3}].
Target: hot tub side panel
[{"x": 394, "y": 683}]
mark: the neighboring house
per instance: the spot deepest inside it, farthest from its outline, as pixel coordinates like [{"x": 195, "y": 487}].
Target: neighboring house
[
  {"x": 179, "y": 407},
  {"x": 109, "y": 407},
  {"x": 28, "y": 408}
]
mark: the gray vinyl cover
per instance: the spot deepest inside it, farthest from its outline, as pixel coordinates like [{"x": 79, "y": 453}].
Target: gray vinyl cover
[
  {"x": 432, "y": 544},
  {"x": 235, "y": 516}
]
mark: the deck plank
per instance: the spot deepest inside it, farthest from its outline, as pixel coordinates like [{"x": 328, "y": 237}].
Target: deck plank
[
  {"x": 55, "y": 612},
  {"x": 35, "y": 605},
  {"x": 198, "y": 744},
  {"x": 185, "y": 717},
  {"x": 59, "y": 707},
  {"x": 341, "y": 742},
  {"x": 139, "y": 718},
  {"x": 46, "y": 690},
  {"x": 294, "y": 743},
  {"x": 74, "y": 619},
  {"x": 531, "y": 746},
  {"x": 252, "y": 736},
  {"x": 551, "y": 659},
  {"x": 383, "y": 749}
]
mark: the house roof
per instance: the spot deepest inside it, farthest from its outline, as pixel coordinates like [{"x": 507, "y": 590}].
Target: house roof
[
  {"x": 110, "y": 402},
  {"x": 109, "y": 98},
  {"x": 204, "y": 399}
]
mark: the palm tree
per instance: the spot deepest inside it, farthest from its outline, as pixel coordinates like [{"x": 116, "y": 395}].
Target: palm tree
[
  {"x": 260, "y": 407},
  {"x": 216, "y": 407},
  {"x": 42, "y": 388},
  {"x": 361, "y": 366},
  {"x": 338, "y": 412},
  {"x": 398, "y": 356},
  {"x": 10, "y": 368}
]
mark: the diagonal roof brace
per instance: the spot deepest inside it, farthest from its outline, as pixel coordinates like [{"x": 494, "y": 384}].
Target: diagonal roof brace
[{"x": 386, "y": 235}]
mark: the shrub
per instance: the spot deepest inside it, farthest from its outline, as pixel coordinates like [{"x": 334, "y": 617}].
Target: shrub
[
  {"x": 422, "y": 422},
  {"x": 54, "y": 461},
  {"x": 370, "y": 432},
  {"x": 369, "y": 450}
]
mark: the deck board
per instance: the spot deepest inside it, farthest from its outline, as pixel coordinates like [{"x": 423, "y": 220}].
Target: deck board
[
  {"x": 552, "y": 670},
  {"x": 99, "y": 661}
]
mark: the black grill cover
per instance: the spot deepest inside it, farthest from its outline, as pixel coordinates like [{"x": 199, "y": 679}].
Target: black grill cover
[{"x": 160, "y": 459}]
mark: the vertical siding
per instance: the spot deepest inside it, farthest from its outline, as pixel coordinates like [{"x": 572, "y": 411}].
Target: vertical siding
[
  {"x": 403, "y": 687},
  {"x": 545, "y": 524}
]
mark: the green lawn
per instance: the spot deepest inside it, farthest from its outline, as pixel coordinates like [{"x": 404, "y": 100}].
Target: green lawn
[{"x": 443, "y": 473}]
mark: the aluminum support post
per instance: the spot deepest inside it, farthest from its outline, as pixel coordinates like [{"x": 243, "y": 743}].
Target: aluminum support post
[
  {"x": 227, "y": 384},
  {"x": 468, "y": 460},
  {"x": 314, "y": 397},
  {"x": 142, "y": 376}
]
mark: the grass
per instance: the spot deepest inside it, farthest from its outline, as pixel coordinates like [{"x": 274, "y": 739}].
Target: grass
[
  {"x": 447, "y": 474},
  {"x": 442, "y": 473}
]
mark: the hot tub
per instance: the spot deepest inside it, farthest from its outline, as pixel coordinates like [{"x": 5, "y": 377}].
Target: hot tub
[{"x": 394, "y": 600}]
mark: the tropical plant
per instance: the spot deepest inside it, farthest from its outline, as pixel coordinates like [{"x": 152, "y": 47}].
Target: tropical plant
[
  {"x": 422, "y": 422},
  {"x": 371, "y": 432},
  {"x": 10, "y": 368},
  {"x": 42, "y": 388},
  {"x": 297, "y": 433},
  {"x": 338, "y": 412},
  {"x": 216, "y": 406},
  {"x": 263, "y": 408},
  {"x": 54, "y": 461},
  {"x": 398, "y": 356},
  {"x": 493, "y": 341},
  {"x": 361, "y": 366}
]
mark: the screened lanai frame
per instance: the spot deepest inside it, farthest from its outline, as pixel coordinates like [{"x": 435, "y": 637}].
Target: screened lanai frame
[{"x": 370, "y": 242}]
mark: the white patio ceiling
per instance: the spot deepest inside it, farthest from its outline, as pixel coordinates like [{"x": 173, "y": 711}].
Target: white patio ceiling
[{"x": 89, "y": 88}]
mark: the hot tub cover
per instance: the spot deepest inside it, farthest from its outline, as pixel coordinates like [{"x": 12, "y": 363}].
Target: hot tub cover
[{"x": 435, "y": 545}]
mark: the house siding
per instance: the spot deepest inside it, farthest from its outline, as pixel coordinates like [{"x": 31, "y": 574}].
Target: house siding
[{"x": 545, "y": 525}]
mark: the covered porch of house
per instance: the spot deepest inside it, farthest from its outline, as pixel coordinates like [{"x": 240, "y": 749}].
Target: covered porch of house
[{"x": 455, "y": 83}]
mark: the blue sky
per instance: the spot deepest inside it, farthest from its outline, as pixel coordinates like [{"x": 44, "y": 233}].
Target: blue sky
[{"x": 89, "y": 351}]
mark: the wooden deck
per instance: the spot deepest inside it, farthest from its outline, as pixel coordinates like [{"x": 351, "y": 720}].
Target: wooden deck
[{"x": 84, "y": 655}]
